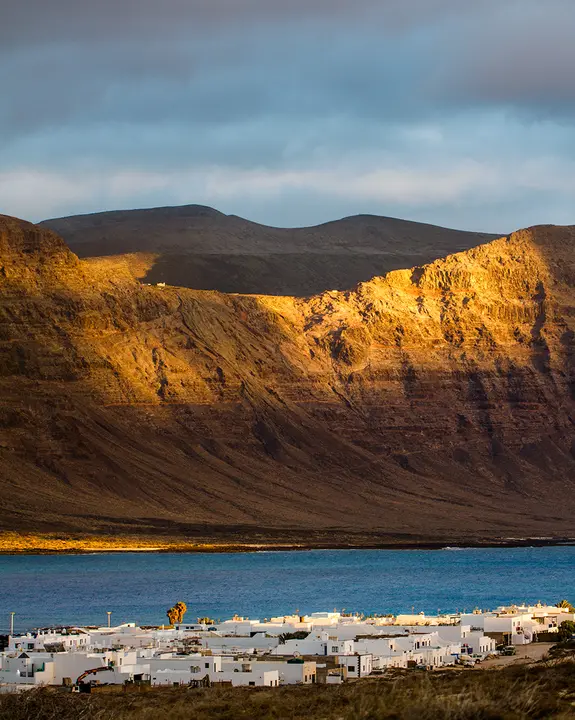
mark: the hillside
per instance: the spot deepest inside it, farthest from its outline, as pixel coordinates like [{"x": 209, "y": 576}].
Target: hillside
[
  {"x": 198, "y": 247},
  {"x": 431, "y": 403}
]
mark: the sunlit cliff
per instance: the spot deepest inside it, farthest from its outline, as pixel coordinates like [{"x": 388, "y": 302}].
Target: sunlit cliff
[{"x": 431, "y": 402}]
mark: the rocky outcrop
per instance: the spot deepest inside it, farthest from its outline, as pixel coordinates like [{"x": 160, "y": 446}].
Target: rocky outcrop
[{"x": 429, "y": 403}]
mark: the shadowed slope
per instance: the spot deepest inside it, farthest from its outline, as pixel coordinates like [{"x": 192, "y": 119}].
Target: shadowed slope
[
  {"x": 430, "y": 403},
  {"x": 198, "y": 247}
]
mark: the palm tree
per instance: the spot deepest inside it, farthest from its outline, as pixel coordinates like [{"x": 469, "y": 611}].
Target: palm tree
[{"x": 176, "y": 614}]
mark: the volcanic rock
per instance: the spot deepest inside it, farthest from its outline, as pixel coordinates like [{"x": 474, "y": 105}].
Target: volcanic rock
[{"x": 429, "y": 403}]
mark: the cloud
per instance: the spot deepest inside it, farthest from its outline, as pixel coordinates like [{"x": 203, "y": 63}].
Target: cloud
[
  {"x": 33, "y": 194},
  {"x": 407, "y": 186},
  {"x": 33, "y": 21},
  {"x": 471, "y": 185},
  {"x": 520, "y": 56},
  {"x": 424, "y": 103}
]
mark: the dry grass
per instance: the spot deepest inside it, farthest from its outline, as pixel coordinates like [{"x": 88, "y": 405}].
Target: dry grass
[
  {"x": 16, "y": 543},
  {"x": 546, "y": 690},
  {"x": 28, "y": 542}
]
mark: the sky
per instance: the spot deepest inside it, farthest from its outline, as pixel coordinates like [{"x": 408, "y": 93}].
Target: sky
[{"x": 291, "y": 112}]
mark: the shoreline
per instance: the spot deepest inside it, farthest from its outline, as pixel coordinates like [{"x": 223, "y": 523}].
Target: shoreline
[{"x": 13, "y": 544}]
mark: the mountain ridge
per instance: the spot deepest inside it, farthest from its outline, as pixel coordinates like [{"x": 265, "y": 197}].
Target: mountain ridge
[
  {"x": 434, "y": 402},
  {"x": 202, "y": 248},
  {"x": 198, "y": 210}
]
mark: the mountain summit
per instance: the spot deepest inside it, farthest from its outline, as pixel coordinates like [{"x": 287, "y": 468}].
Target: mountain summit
[{"x": 198, "y": 247}]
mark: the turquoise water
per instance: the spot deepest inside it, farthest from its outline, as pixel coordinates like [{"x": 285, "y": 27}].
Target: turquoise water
[{"x": 79, "y": 589}]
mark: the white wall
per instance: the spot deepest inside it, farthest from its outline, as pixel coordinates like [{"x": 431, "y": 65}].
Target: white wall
[
  {"x": 357, "y": 665},
  {"x": 292, "y": 673}
]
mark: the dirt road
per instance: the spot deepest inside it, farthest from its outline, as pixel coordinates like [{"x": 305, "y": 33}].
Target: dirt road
[{"x": 525, "y": 654}]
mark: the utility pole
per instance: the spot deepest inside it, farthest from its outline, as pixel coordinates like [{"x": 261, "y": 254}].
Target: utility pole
[
  {"x": 109, "y": 614},
  {"x": 12, "y": 623}
]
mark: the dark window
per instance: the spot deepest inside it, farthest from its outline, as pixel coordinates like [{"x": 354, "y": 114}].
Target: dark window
[
  {"x": 207, "y": 665},
  {"x": 252, "y": 682}
]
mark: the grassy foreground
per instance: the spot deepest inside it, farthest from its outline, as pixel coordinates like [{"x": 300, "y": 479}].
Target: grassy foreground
[{"x": 544, "y": 690}]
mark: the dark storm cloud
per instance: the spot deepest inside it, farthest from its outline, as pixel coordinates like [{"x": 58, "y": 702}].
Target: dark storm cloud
[
  {"x": 214, "y": 60},
  {"x": 140, "y": 96},
  {"x": 219, "y": 79},
  {"x": 51, "y": 21},
  {"x": 522, "y": 54}
]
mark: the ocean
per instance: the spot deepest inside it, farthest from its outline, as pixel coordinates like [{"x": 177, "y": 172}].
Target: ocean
[{"x": 138, "y": 587}]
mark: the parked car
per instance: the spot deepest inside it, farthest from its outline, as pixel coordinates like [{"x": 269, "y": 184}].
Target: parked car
[{"x": 466, "y": 661}]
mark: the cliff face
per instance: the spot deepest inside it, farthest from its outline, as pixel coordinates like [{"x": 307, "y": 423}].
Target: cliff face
[
  {"x": 198, "y": 247},
  {"x": 436, "y": 402}
]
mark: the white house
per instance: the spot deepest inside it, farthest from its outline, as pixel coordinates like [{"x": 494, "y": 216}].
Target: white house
[
  {"x": 184, "y": 670},
  {"x": 322, "y": 643},
  {"x": 357, "y": 666}
]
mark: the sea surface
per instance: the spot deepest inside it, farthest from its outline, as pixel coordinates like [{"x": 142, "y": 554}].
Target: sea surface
[{"x": 138, "y": 587}]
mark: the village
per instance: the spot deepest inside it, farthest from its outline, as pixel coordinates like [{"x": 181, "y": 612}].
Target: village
[{"x": 323, "y": 647}]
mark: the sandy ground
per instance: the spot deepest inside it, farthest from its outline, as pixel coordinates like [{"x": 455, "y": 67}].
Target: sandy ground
[{"x": 525, "y": 654}]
